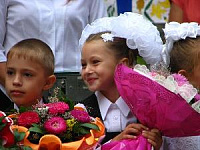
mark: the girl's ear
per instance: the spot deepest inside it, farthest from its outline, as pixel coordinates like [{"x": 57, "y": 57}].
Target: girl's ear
[
  {"x": 183, "y": 72},
  {"x": 124, "y": 61},
  {"x": 50, "y": 82}
]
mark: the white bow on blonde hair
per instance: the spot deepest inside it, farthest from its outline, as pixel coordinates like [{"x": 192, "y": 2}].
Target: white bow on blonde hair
[{"x": 175, "y": 31}]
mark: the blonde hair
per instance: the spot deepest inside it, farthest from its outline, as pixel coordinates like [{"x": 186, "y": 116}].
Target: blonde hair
[
  {"x": 185, "y": 54},
  {"x": 34, "y": 50},
  {"x": 118, "y": 46}
]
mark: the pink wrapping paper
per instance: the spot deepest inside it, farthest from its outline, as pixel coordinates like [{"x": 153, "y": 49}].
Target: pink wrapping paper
[
  {"x": 155, "y": 106},
  {"x": 137, "y": 144}
]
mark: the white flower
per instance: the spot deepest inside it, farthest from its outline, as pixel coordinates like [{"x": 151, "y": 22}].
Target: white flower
[{"x": 107, "y": 37}]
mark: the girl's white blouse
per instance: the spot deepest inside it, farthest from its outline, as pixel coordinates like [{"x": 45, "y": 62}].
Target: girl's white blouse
[{"x": 56, "y": 22}]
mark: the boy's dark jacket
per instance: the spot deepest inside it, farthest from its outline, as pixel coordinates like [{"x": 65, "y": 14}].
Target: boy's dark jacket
[{"x": 5, "y": 103}]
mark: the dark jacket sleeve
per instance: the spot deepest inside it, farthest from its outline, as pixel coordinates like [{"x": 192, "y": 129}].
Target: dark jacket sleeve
[{"x": 5, "y": 103}]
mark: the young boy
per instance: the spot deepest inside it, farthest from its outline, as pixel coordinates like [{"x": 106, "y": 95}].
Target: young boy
[{"x": 29, "y": 72}]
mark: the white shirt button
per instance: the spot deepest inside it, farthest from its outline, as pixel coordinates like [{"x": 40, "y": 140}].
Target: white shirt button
[{"x": 115, "y": 117}]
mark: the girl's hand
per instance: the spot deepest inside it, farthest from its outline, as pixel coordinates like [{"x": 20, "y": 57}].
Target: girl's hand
[
  {"x": 154, "y": 137},
  {"x": 130, "y": 132}
]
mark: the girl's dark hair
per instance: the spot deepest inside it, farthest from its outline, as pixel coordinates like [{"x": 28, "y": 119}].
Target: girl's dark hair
[
  {"x": 119, "y": 46},
  {"x": 185, "y": 54}
]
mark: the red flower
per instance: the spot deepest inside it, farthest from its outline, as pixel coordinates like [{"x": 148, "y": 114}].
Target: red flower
[
  {"x": 26, "y": 119},
  {"x": 55, "y": 125},
  {"x": 6, "y": 133},
  {"x": 80, "y": 115},
  {"x": 57, "y": 108}
]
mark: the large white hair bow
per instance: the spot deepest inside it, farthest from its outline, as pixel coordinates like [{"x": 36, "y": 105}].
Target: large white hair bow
[
  {"x": 140, "y": 34},
  {"x": 175, "y": 31}
]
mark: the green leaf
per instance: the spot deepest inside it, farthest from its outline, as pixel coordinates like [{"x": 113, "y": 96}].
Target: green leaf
[
  {"x": 76, "y": 128},
  {"x": 2, "y": 126},
  {"x": 80, "y": 130},
  {"x": 27, "y": 148},
  {"x": 19, "y": 135},
  {"x": 12, "y": 111},
  {"x": 1, "y": 119},
  {"x": 84, "y": 131},
  {"x": 24, "y": 109},
  {"x": 65, "y": 99},
  {"x": 36, "y": 128},
  {"x": 1, "y": 141},
  {"x": 90, "y": 126},
  {"x": 36, "y": 125},
  {"x": 140, "y": 61}
]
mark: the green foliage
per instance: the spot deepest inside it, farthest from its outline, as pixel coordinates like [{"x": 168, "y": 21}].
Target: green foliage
[
  {"x": 19, "y": 136},
  {"x": 24, "y": 109},
  {"x": 68, "y": 101},
  {"x": 141, "y": 61},
  {"x": 90, "y": 126},
  {"x": 84, "y": 128},
  {"x": 12, "y": 111},
  {"x": 27, "y": 148},
  {"x": 2, "y": 124},
  {"x": 16, "y": 148},
  {"x": 36, "y": 128},
  {"x": 80, "y": 130}
]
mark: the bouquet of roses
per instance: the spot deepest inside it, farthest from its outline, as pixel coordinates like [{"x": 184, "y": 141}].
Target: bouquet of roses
[
  {"x": 159, "y": 100},
  {"x": 58, "y": 125}
]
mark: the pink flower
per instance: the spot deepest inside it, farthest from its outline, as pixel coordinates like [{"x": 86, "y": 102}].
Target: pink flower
[
  {"x": 26, "y": 119},
  {"x": 80, "y": 115},
  {"x": 180, "y": 79},
  {"x": 57, "y": 108},
  {"x": 152, "y": 74},
  {"x": 197, "y": 97},
  {"x": 55, "y": 125}
]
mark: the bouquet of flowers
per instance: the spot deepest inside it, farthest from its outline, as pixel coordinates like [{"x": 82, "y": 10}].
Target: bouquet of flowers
[
  {"x": 10, "y": 139},
  {"x": 164, "y": 101},
  {"x": 58, "y": 125}
]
